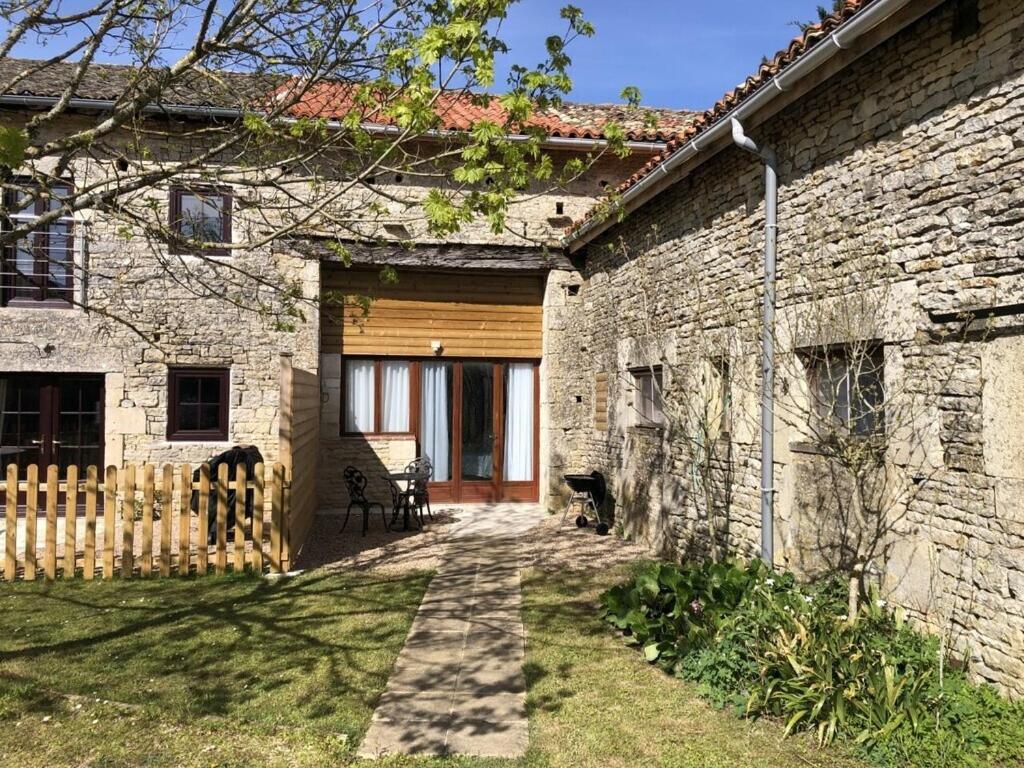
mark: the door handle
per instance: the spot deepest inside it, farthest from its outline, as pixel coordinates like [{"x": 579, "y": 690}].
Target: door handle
[{"x": 40, "y": 442}]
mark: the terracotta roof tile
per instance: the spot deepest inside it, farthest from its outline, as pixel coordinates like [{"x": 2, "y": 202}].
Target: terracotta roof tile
[
  {"x": 459, "y": 111},
  {"x": 768, "y": 70}
]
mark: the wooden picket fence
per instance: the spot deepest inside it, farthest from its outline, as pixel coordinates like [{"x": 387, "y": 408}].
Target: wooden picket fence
[{"x": 151, "y": 542}]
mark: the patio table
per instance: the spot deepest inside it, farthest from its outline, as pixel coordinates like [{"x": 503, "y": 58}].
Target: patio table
[{"x": 402, "y": 477}]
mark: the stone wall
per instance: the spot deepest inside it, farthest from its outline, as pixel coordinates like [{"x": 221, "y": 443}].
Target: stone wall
[
  {"x": 901, "y": 182},
  {"x": 148, "y": 309},
  {"x": 145, "y": 310}
]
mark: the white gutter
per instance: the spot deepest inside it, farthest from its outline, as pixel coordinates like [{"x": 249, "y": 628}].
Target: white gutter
[
  {"x": 185, "y": 110},
  {"x": 841, "y": 39}
]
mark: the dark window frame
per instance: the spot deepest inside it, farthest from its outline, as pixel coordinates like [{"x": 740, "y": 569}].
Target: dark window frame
[
  {"x": 174, "y": 376},
  {"x": 183, "y": 246},
  {"x": 42, "y": 260},
  {"x": 835, "y": 359}
]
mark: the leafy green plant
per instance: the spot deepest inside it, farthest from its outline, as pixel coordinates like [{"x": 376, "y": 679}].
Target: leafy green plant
[{"x": 768, "y": 646}]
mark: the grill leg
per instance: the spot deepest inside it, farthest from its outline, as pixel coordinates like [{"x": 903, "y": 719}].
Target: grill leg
[{"x": 572, "y": 500}]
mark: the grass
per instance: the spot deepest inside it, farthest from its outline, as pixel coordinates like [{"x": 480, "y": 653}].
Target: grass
[
  {"x": 243, "y": 672},
  {"x": 212, "y": 672},
  {"x": 594, "y": 703}
]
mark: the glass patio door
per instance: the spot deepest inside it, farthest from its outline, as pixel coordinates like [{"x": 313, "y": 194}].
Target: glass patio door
[
  {"x": 50, "y": 420},
  {"x": 477, "y": 423}
]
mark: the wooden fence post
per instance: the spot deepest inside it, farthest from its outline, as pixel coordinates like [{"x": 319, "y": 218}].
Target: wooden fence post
[
  {"x": 166, "y": 517},
  {"x": 241, "y": 492},
  {"x": 257, "y": 519},
  {"x": 221, "y": 564},
  {"x": 50, "y": 547},
  {"x": 202, "y": 535},
  {"x": 148, "y": 497},
  {"x": 11, "y": 522},
  {"x": 184, "y": 519},
  {"x": 31, "y": 521},
  {"x": 70, "y": 521},
  {"x": 128, "y": 522},
  {"x": 91, "y": 492},
  {"x": 109, "y": 523}
]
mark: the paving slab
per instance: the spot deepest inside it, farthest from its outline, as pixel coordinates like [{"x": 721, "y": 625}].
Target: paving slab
[{"x": 458, "y": 687}]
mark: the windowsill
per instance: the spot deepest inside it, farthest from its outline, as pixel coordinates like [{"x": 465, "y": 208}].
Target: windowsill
[
  {"x": 811, "y": 448},
  {"x": 379, "y": 435},
  {"x": 808, "y": 447},
  {"x": 208, "y": 439},
  {"x": 38, "y": 304},
  {"x": 647, "y": 428},
  {"x": 220, "y": 255}
]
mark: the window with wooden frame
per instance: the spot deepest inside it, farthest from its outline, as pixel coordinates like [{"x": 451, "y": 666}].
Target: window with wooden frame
[
  {"x": 377, "y": 397},
  {"x": 38, "y": 270},
  {"x": 720, "y": 396},
  {"x": 197, "y": 403},
  {"x": 847, "y": 388},
  {"x": 647, "y": 405},
  {"x": 200, "y": 217}
]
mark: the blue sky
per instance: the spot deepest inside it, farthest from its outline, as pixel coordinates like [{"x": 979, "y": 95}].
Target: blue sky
[{"x": 680, "y": 53}]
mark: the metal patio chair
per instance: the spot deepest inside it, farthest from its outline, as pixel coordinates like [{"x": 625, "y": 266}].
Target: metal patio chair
[
  {"x": 355, "y": 482},
  {"x": 419, "y": 488}
]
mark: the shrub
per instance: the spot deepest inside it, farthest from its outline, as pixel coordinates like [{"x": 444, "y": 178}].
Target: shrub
[{"x": 769, "y": 646}]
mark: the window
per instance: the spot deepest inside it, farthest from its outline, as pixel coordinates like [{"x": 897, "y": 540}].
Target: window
[
  {"x": 847, "y": 389},
  {"x": 648, "y": 385},
  {"x": 198, "y": 403},
  {"x": 201, "y": 216},
  {"x": 721, "y": 395},
  {"x": 39, "y": 269},
  {"x": 377, "y": 396}
]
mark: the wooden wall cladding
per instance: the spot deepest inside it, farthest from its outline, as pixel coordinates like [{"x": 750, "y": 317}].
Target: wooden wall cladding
[
  {"x": 472, "y": 315},
  {"x": 601, "y": 402}
]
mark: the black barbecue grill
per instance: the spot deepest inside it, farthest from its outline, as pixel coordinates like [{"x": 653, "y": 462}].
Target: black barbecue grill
[{"x": 587, "y": 491}]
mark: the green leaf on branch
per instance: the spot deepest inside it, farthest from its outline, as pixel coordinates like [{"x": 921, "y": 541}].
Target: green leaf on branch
[{"x": 13, "y": 143}]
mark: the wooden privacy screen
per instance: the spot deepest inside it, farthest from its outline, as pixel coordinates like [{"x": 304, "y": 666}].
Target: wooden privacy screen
[
  {"x": 299, "y": 442},
  {"x": 471, "y": 315}
]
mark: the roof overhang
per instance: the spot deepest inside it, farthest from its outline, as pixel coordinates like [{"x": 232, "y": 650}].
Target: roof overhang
[
  {"x": 228, "y": 113},
  {"x": 875, "y": 24}
]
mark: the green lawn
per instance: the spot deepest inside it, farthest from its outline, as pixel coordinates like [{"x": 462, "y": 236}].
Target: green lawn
[
  {"x": 211, "y": 672},
  {"x": 244, "y": 672}
]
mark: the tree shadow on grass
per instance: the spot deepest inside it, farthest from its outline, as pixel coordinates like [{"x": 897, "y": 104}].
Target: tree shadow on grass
[{"x": 314, "y": 648}]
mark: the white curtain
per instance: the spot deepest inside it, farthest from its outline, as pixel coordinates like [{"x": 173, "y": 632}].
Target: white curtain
[
  {"x": 434, "y": 418},
  {"x": 394, "y": 397},
  {"x": 358, "y": 396},
  {"x": 519, "y": 422}
]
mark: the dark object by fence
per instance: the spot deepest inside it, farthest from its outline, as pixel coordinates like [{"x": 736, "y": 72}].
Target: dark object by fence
[{"x": 249, "y": 456}]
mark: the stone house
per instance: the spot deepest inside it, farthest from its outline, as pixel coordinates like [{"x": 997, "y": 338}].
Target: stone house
[
  {"x": 129, "y": 351},
  {"x": 899, "y": 132},
  {"x": 900, "y": 142}
]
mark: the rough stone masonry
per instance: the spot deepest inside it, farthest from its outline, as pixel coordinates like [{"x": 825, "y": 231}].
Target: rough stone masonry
[{"x": 901, "y": 183}]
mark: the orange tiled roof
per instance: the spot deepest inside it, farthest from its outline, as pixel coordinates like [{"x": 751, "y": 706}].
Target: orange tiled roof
[
  {"x": 800, "y": 45},
  {"x": 459, "y": 111}
]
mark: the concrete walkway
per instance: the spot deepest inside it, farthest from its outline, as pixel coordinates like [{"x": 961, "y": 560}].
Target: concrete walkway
[{"x": 458, "y": 686}]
